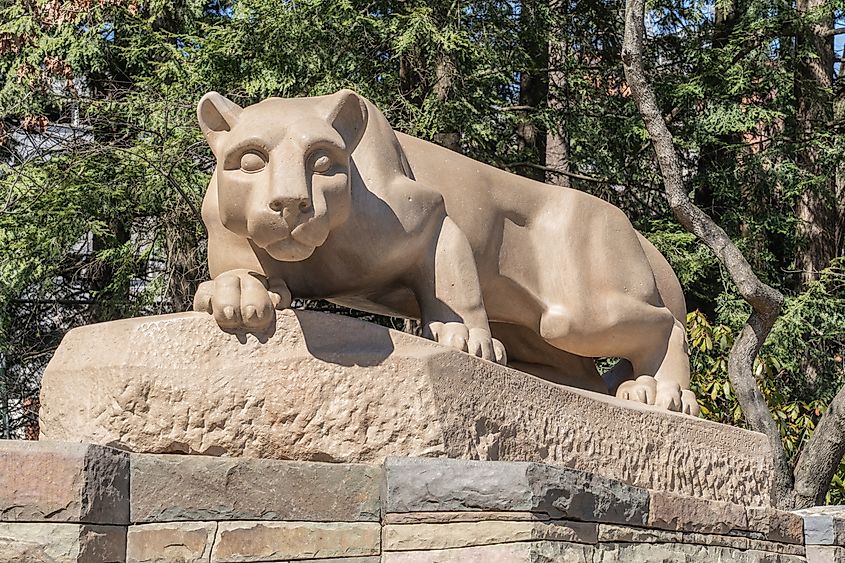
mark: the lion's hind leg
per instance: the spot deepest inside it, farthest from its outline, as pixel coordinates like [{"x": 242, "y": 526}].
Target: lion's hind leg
[
  {"x": 663, "y": 375},
  {"x": 647, "y": 335},
  {"x": 529, "y": 353}
]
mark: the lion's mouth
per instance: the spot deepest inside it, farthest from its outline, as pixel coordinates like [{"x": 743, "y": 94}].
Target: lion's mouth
[
  {"x": 312, "y": 232},
  {"x": 284, "y": 243}
]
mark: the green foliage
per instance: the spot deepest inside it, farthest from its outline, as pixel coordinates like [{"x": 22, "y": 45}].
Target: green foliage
[
  {"x": 808, "y": 333},
  {"x": 102, "y": 167}
]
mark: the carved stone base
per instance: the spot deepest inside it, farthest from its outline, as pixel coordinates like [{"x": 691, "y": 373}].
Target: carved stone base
[{"x": 330, "y": 388}]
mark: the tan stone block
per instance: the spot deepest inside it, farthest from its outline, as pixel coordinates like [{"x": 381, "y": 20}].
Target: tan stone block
[
  {"x": 776, "y": 525},
  {"x": 410, "y": 537},
  {"x": 464, "y": 516},
  {"x": 825, "y": 554},
  {"x": 368, "y": 559},
  {"x": 63, "y": 482},
  {"x": 735, "y": 542},
  {"x": 182, "y": 542},
  {"x": 776, "y": 547},
  {"x": 672, "y": 512},
  {"x": 521, "y": 552},
  {"x": 238, "y": 542},
  {"x": 330, "y": 388},
  {"x": 190, "y": 487},
  {"x": 40, "y": 542},
  {"x": 614, "y": 533},
  {"x": 685, "y": 553}
]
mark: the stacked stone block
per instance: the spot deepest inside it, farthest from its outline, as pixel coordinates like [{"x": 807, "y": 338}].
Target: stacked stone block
[
  {"x": 63, "y": 502},
  {"x": 73, "y": 502}
]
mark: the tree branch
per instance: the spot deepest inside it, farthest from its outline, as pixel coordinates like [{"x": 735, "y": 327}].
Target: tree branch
[
  {"x": 766, "y": 302},
  {"x": 831, "y": 32},
  {"x": 554, "y": 170}
]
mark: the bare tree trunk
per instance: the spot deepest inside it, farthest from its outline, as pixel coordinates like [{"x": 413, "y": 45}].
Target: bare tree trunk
[
  {"x": 557, "y": 139},
  {"x": 817, "y": 207},
  {"x": 715, "y": 159},
  {"x": 444, "y": 78},
  {"x": 765, "y": 301},
  {"x": 109, "y": 297},
  {"x": 183, "y": 266},
  {"x": 533, "y": 88}
]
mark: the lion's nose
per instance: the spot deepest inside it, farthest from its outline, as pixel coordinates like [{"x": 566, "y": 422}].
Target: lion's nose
[{"x": 279, "y": 204}]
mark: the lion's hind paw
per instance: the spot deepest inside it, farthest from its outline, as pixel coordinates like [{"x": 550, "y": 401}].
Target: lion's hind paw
[{"x": 666, "y": 394}]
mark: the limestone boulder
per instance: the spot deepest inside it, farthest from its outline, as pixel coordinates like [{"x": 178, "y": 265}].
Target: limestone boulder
[{"x": 327, "y": 388}]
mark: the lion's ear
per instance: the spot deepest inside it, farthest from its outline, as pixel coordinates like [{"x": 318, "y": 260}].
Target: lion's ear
[
  {"x": 217, "y": 114},
  {"x": 346, "y": 111}
]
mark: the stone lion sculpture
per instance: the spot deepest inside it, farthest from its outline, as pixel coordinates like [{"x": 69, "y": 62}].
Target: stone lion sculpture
[{"x": 320, "y": 198}]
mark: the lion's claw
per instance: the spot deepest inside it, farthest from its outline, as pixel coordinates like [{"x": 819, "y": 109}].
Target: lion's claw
[
  {"x": 667, "y": 394},
  {"x": 240, "y": 299},
  {"x": 476, "y": 341}
]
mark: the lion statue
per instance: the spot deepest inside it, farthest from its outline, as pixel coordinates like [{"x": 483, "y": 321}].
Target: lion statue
[{"x": 320, "y": 198}]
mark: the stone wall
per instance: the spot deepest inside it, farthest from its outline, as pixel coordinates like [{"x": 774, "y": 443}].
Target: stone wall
[{"x": 74, "y": 502}]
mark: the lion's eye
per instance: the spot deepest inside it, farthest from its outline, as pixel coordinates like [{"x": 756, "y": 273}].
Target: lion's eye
[
  {"x": 322, "y": 164},
  {"x": 252, "y": 162}
]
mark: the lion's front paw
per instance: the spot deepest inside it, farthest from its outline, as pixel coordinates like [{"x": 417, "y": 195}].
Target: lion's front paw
[
  {"x": 666, "y": 394},
  {"x": 240, "y": 299},
  {"x": 476, "y": 341}
]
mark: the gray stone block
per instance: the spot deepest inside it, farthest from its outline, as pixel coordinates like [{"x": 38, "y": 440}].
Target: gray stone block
[
  {"x": 61, "y": 542},
  {"x": 421, "y": 485},
  {"x": 63, "y": 482},
  {"x": 824, "y": 525},
  {"x": 184, "y": 487}
]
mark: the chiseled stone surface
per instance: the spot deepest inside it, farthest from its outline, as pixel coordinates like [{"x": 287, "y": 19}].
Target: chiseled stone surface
[
  {"x": 825, "y": 554},
  {"x": 368, "y": 559},
  {"x": 776, "y": 547},
  {"x": 672, "y": 512},
  {"x": 279, "y": 541},
  {"x": 519, "y": 552},
  {"x": 186, "y": 487},
  {"x": 330, "y": 388},
  {"x": 186, "y": 542},
  {"x": 63, "y": 482},
  {"x": 458, "y": 485},
  {"x": 445, "y": 517},
  {"x": 410, "y": 537},
  {"x": 683, "y": 553},
  {"x": 48, "y": 542},
  {"x": 776, "y": 525},
  {"x": 824, "y": 525},
  {"x": 616, "y": 533}
]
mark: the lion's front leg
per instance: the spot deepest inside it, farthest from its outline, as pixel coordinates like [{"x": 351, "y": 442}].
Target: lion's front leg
[
  {"x": 449, "y": 295},
  {"x": 242, "y": 299}
]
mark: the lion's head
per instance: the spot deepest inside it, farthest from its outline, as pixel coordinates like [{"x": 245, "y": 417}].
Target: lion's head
[{"x": 283, "y": 167}]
